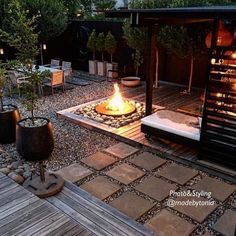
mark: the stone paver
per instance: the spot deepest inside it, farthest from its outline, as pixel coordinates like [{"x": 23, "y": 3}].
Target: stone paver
[
  {"x": 207, "y": 234},
  {"x": 74, "y": 172},
  {"x": 100, "y": 187},
  {"x": 156, "y": 188},
  {"x": 132, "y": 205},
  {"x": 99, "y": 160},
  {"x": 227, "y": 223},
  {"x": 166, "y": 223},
  {"x": 218, "y": 189},
  {"x": 178, "y": 174},
  {"x": 198, "y": 213},
  {"x": 148, "y": 161},
  {"x": 121, "y": 150},
  {"x": 125, "y": 173}
]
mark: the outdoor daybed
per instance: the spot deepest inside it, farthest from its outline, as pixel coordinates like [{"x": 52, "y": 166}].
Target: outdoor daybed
[{"x": 172, "y": 125}]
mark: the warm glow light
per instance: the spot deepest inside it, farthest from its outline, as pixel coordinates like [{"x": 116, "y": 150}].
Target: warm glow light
[
  {"x": 233, "y": 55},
  {"x": 219, "y": 95},
  {"x": 213, "y": 61},
  {"x": 116, "y": 102},
  {"x": 44, "y": 46},
  {"x": 1, "y": 51}
]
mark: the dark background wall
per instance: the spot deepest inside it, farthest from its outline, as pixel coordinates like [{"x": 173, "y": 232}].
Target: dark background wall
[{"x": 71, "y": 46}]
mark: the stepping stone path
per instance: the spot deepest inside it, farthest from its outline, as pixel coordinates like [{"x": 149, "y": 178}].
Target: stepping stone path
[
  {"x": 121, "y": 150},
  {"x": 166, "y": 223},
  {"x": 125, "y": 173},
  {"x": 198, "y": 213},
  {"x": 101, "y": 187},
  {"x": 218, "y": 189},
  {"x": 132, "y": 205},
  {"x": 148, "y": 161},
  {"x": 178, "y": 174},
  {"x": 156, "y": 188},
  {"x": 74, "y": 172},
  {"x": 99, "y": 160},
  {"x": 226, "y": 225}
]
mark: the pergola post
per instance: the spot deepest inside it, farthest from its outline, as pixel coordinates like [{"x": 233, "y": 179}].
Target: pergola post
[{"x": 151, "y": 65}]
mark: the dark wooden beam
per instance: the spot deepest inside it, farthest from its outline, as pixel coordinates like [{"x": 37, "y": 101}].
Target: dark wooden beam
[{"x": 151, "y": 65}]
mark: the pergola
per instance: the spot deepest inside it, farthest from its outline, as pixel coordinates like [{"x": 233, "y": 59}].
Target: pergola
[{"x": 218, "y": 130}]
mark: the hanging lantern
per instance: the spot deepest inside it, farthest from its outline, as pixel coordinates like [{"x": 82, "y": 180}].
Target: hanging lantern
[
  {"x": 224, "y": 37},
  {"x": 1, "y": 51},
  {"x": 44, "y": 46}
]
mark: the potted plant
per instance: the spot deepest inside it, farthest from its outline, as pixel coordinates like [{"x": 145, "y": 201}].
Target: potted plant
[
  {"x": 92, "y": 46},
  {"x": 110, "y": 47},
  {"x": 101, "y": 49},
  {"x": 9, "y": 114},
  {"x": 34, "y": 139}
]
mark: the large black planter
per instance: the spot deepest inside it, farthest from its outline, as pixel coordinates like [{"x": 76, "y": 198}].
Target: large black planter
[
  {"x": 8, "y": 122},
  {"x": 35, "y": 143}
]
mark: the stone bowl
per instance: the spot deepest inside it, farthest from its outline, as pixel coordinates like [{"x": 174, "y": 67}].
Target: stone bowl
[{"x": 130, "y": 81}]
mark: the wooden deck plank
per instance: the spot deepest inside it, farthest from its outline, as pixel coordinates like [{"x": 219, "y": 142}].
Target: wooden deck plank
[
  {"x": 52, "y": 226},
  {"x": 107, "y": 220},
  {"x": 21, "y": 212},
  {"x": 77, "y": 216},
  {"x": 109, "y": 212},
  {"x": 66, "y": 228}
]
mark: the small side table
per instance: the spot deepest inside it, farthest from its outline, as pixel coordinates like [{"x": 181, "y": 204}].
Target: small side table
[{"x": 112, "y": 74}]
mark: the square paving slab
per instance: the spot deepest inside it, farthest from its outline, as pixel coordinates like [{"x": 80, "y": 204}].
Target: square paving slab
[
  {"x": 99, "y": 160},
  {"x": 178, "y": 174},
  {"x": 125, "y": 173},
  {"x": 198, "y": 213},
  {"x": 100, "y": 187},
  {"x": 156, "y": 188},
  {"x": 218, "y": 189},
  {"x": 74, "y": 172},
  {"x": 148, "y": 161},
  {"x": 227, "y": 223},
  {"x": 132, "y": 205},
  {"x": 166, "y": 223},
  {"x": 121, "y": 150}
]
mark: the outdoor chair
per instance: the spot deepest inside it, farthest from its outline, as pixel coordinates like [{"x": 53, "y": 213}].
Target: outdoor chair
[
  {"x": 67, "y": 70},
  {"x": 54, "y": 64},
  {"x": 17, "y": 79},
  {"x": 57, "y": 80}
]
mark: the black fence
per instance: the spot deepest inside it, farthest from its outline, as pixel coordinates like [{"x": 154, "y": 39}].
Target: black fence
[{"x": 71, "y": 46}]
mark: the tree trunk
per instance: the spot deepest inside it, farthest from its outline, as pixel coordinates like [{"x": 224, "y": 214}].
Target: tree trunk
[
  {"x": 136, "y": 71},
  {"x": 157, "y": 68},
  {"x": 94, "y": 56},
  {"x": 1, "y": 102},
  {"x": 102, "y": 56},
  {"x": 191, "y": 74},
  {"x": 41, "y": 53},
  {"x": 111, "y": 58}
]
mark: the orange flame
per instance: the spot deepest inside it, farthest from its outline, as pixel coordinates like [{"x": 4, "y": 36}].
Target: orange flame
[{"x": 116, "y": 102}]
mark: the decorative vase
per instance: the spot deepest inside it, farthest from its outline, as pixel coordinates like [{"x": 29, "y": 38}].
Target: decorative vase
[
  {"x": 224, "y": 36},
  {"x": 8, "y": 120},
  {"x": 34, "y": 143}
]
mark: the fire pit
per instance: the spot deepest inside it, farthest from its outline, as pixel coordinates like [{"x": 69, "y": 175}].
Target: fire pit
[
  {"x": 116, "y": 105},
  {"x": 114, "y": 112}
]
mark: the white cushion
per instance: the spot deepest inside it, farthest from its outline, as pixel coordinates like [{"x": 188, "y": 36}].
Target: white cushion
[{"x": 171, "y": 126}]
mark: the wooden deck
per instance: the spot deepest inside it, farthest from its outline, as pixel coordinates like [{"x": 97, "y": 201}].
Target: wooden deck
[
  {"x": 24, "y": 214},
  {"x": 166, "y": 96},
  {"x": 72, "y": 212}
]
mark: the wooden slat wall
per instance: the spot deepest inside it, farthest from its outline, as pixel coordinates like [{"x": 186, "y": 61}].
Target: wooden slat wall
[{"x": 219, "y": 121}]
